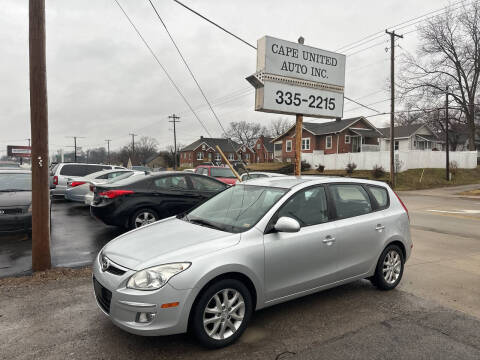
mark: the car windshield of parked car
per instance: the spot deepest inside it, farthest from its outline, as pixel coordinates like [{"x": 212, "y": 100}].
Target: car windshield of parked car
[
  {"x": 236, "y": 209},
  {"x": 15, "y": 182},
  {"x": 222, "y": 172}
]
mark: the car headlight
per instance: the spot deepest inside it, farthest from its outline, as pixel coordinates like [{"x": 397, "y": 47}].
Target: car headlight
[{"x": 155, "y": 277}]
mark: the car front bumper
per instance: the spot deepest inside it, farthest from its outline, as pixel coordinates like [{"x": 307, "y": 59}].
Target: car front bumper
[
  {"x": 59, "y": 190},
  {"x": 70, "y": 195},
  {"x": 11, "y": 224},
  {"x": 123, "y": 305}
]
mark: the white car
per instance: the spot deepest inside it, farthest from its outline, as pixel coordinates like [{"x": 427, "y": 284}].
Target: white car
[{"x": 258, "y": 174}]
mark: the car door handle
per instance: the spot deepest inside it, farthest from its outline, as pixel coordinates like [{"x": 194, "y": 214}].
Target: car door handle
[
  {"x": 329, "y": 240},
  {"x": 380, "y": 227}
]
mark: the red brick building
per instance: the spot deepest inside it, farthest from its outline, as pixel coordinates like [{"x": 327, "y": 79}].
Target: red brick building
[
  {"x": 263, "y": 149},
  {"x": 339, "y": 136},
  {"x": 204, "y": 151}
]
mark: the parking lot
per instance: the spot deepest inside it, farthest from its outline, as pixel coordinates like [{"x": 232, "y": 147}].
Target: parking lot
[{"x": 434, "y": 313}]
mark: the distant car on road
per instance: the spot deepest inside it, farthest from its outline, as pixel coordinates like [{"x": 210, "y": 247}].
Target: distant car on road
[
  {"x": 135, "y": 201},
  {"x": 258, "y": 174},
  {"x": 61, "y": 172},
  {"x": 78, "y": 188},
  {"x": 222, "y": 173},
  {"x": 15, "y": 201},
  {"x": 254, "y": 245}
]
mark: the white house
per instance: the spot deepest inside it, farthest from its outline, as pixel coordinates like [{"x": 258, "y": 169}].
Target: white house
[{"x": 411, "y": 137}]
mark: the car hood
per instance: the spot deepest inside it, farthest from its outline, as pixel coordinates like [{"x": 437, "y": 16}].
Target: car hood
[
  {"x": 16, "y": 198},
  {"x": 166, "y": 241}
]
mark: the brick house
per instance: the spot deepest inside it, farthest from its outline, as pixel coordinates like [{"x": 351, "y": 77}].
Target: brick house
[
  {"x": 338, "y": 136},
  {"x": 246, "y": 154},
  {"x": 263, "y": 149},
  {"x": 204, "y": 151}
]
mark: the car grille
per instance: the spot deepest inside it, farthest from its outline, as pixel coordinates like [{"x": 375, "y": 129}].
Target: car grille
[
  {"x": 114, "y": 270},
  {"x": 103, "y": 295},
  {"x": 11, "y": 211}
]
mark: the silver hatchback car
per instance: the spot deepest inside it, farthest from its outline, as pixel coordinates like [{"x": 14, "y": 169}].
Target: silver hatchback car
[{"x": 251, "y": 246}]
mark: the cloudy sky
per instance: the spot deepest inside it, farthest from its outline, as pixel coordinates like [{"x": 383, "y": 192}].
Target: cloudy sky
[{"x": 104, "y": 84}]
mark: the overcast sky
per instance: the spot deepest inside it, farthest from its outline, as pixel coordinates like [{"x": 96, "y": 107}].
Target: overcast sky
[{"x": 104, "y": 84}]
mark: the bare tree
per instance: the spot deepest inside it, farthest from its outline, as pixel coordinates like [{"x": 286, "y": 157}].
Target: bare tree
[
  {"x": 279, "y": 127},
  {"x": 449, "y": 56},
  {"x": 245, "y": 133}
]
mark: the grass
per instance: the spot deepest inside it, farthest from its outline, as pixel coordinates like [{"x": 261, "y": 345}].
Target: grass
[
  {"x": 471, "y": 192},
  {"x": 406, "y": 180}
]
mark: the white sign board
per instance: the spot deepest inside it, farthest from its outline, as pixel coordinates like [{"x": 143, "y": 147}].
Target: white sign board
[
  {"x": 293, "y": 60},
  {"x": 292, "y": 78}
]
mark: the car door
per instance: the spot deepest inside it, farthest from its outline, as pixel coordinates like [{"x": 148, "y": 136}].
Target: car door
[
  {"x": 172, "y": 195},
  {"x": 304, "y": 260},
  {"x": 359, "y": 229},
  {"x": 204, "y": 187}
]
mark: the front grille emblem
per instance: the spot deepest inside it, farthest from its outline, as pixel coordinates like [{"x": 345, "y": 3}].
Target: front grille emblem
[{"x": 105, "y": 263}]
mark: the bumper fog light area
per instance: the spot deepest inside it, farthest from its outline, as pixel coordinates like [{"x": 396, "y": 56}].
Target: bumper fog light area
[{"x": 145, "y": 317}]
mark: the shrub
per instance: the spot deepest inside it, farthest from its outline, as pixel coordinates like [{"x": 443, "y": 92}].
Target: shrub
[
  {"x": 351, "y": 166},
  {"x": 305, "y": 166},
  {"x": 320, "y": 168},
  {"x": 290, "y": 168},
  {"x": 453, "y": 168},
  {"x": 378, "y": 171}
]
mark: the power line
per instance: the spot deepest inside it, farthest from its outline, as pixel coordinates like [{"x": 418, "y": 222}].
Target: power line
[
  {"x": 362, "y": 105},
  {"x": 163, "y": 68},
  {"x": 215, "y": 24}
]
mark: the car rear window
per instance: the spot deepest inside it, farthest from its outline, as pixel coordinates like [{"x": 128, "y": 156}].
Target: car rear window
[
  {"x": 222, "y": 172},
  {"x": 350, "y": 200},
  {"x": 203, "y": 183},
  {"x": 381, "y": 196},
  {"x": 81, "y": 170}
]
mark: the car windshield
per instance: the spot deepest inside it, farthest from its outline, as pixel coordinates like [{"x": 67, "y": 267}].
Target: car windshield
[
  {"x": 236, "y": 209},
  {"x": 222, "y": 172},
  {"x": 15, "y": 182}
]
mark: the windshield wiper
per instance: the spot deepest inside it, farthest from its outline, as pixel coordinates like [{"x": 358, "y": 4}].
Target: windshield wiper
[{"x": 205, "y": 223}]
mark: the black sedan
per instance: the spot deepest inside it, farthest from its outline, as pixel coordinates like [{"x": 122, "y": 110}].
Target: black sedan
[
  {"x": 134, "y": 202},
  {"x": 15, "y": 201}
]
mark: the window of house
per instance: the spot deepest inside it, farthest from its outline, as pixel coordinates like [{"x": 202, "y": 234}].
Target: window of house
[
  {"x": 347, "y": 139},
  {"x": 396, "y": 144},
  {"x": 289, "y": 145},
  {"x": 271, "y": 156},
  {"x": 200, "y": 155},
  {"x": 217, "y": 157},
  {"x": 203, "y": 146},
  {"x": 247, "y": 156},
  {"x": 306, "y": 144},
  {"x": 209, "y": 156},
  {"x": 230, "y": 156},
  {"x": 258, "y": 146},
  {"x": 328, "y": 142}
]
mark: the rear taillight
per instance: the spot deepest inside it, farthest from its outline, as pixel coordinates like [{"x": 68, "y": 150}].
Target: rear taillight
[
  {"x": 92, "y": 188},
  {"x": 76, "y": 183},
  {"x": 401, "y": 202},
  {"x": 111, "y": 194},
  {"x": 55, "y": 180}
]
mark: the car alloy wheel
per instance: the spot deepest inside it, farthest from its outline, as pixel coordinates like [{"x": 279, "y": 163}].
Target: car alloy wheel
[
  {"x": 144, "y": 218},
  {"x": 392, "y": 266},
  {"x": 224, "y": 314}
]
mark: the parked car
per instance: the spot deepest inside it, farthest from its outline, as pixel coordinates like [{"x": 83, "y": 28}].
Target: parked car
[
  {"x": 61, "y": 172},
  {"x": 141, "y": 168},
  {"x": 257, "y": 175},
  {"x": 15, "y": 201},
  {"x": 222, "y": 173},
  {"x": 78, "y": 188},
  {"x": 252, "y": 246},
  {"x": 189, "y": 170},
  {"x": 135, "y": 202},
  {"x": 9, "y": 164}
]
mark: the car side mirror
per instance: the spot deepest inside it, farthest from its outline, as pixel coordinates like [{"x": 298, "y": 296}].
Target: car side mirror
[{"x": 287, "y": 224}]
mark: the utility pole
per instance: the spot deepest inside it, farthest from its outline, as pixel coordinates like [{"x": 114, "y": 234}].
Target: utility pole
[
  {"x": 133, "y": 147},
  {"x": 108, "y": 150},
  {"x": 392, "y": 105},
  {"x": 175, "y": 119},
  {"x": 447, "y": 143},
  {"x": 298, "y": 134},
  {"x": 41, "y": 259},
  {"x": 75, "y": 145}
]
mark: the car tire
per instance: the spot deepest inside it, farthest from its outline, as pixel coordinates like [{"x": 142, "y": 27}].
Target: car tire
[
  {"x": 213, "y": 318},
  {"x": 389, "y": 270},
  {"x": 147, "y": 214}
]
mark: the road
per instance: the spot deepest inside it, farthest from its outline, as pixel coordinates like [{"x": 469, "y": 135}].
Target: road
[{"x": 434, "y": 313}]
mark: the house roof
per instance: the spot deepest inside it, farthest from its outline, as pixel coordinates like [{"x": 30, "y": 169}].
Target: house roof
[
  {"x": 401, "y": 131},
  {"x": 267, "y": 142},
  {"x": 332, "y": 127},
  {"x": 225, "y": 144}
]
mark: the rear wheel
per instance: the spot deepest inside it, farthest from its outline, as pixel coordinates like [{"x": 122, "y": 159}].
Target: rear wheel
[
  {"x": 143, "y": 217},
  {"x": 389, "y": 269},
  {"x": 221, "y": 313}
]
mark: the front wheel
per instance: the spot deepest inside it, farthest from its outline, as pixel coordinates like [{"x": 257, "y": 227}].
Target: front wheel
[
  {"x": 221, "y": 314},
  {"x": 389, "y": 269}
]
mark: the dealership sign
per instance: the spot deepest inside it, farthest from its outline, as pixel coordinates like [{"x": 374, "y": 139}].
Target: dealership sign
[
  {"x": 19, "y": 151},
  {"x": 293, "y": 78}
]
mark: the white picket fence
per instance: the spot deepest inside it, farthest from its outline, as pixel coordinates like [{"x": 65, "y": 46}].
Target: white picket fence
[{"x": 414, "y": 159}]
